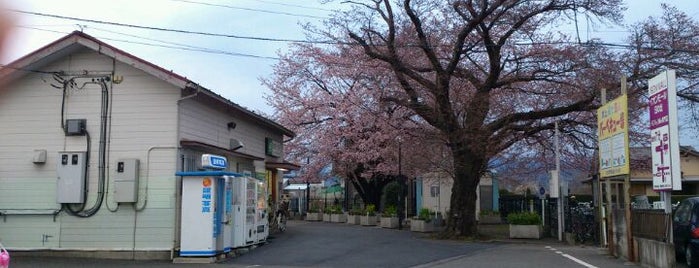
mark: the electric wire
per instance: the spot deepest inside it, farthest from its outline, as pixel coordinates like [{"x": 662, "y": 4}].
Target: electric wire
[
  {"x": 169, "y": 29},
  {"x": 250, "y": 9},
  {"x": 173, "y": 46},
  {"x": 624, "y": 46}
]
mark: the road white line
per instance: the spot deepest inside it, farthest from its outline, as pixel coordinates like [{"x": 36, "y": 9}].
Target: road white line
[
  {"x": 571, "y": 257},
  {"x": 579, "y": 261}
]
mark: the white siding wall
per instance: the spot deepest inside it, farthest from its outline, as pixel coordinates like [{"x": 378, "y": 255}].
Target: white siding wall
[
  {"x": 143, "y": 115},
  {"x": 201, "y": 123}
]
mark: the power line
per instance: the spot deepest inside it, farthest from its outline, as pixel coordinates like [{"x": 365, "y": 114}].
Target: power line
[
  {"x": 249, "y": 9},
  {"x": 291, "y": 5},
  {"x": 171, "y": 46},
  {"x": 630, "y": 47},
  {"x": 169, "y": 30}
]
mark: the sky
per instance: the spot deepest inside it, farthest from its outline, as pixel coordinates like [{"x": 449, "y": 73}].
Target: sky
[{"x": 235, "y": 70}]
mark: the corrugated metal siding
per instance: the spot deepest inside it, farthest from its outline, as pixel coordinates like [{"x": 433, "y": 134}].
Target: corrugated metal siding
[{"x": 143, "y": 115}]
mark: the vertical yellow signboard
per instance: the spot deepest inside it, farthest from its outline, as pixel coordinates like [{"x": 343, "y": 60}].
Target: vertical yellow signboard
[{"x": 613, "y": 131}]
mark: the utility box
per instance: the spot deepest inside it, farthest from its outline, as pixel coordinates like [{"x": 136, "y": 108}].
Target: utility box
[
  {"x": 126, "y": 181},
  {"x": 70, "y": 183}
]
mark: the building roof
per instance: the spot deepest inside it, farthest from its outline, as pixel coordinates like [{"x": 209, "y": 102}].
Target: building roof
[
  {"x": 641, "y": 157},
  {"x": 78, "y": 40}
]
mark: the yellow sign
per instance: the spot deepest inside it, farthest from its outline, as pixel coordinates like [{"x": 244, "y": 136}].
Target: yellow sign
[{"x": 613, "y": 132}]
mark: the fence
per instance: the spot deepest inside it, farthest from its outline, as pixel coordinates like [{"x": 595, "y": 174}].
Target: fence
[
  {"x": 650, "y": 224},
  {"x": 579, "y": 216}
]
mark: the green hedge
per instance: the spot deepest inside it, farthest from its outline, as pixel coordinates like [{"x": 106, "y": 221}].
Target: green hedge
[{"x": 524, "y": 218}]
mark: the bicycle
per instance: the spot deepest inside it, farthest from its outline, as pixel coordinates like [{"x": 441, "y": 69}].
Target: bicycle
[{"x": 281, "y": 215}]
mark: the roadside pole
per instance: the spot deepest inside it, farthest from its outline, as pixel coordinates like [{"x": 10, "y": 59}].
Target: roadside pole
[{"x": 558, "y": 184}]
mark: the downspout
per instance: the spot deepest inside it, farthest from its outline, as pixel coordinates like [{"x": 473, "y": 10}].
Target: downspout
[{"x": 178, "y": 182}]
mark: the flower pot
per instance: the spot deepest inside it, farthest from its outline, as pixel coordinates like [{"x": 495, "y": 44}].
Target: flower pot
[
  {"x": 313, "y": 216},
  {"x": 353, "y": 219},
  {"x": 326, "y": 217},
  {"x": 389, "y": 222},
  {"x": 367, "y": 220},
  {"x": 421, "y": 226},
  {"x": 525, "y": 231},
  {"x": 338, "y": 218}
]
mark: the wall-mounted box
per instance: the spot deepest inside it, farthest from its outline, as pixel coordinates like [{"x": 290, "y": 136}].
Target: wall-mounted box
[
  {"x": 39, "y": 157},
  {"x": 70, "y": 183},
  {"x": 75, "y": 127},
  {"x": 126, "y": 181}
]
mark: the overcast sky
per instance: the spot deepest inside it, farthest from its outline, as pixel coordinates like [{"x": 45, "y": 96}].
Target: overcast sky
[{"x": 235, "y": 77}]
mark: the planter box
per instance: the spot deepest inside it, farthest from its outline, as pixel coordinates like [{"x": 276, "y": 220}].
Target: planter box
[
  {"x": 313, "y": 216},
  {"x": 525, "y": 231},
  {"x": 421, "y": 226},
  {"x": 326, "y": 217},
  {"x": 338, "y": 218},
  {"x": 367, "y": 220},
  {"x": 389, "y": 222},
  {"x": 353, "y": 219}
]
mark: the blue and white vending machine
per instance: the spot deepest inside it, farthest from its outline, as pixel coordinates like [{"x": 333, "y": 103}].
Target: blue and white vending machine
[{"x": 207, "y": 211}]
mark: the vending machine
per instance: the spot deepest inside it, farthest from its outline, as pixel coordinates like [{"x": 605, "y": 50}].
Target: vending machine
[
  {"x": 206, "y": 213},
  {"x": 262, "y": 219},
  {"x": 250, "y": 223}
]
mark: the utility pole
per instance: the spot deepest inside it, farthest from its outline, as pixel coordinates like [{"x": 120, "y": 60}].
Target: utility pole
[{"x": 558, "y": 186}]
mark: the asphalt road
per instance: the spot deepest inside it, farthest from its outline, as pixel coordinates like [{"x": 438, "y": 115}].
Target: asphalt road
[{"x": 317, "y": 244}]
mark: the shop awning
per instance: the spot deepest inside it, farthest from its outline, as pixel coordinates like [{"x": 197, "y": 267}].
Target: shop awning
[{"x": 282, "y": 165}]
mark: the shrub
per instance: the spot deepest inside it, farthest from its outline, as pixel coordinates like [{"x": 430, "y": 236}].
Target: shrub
[
  {"x": 370, "y": 210},
  {"x": 391, "y": 194},
  {"x": 355, "y": 211},
  {"x": 424, "y": 214},
  {"x": 524, "y": 218},
  {"x": 390, "y": 211}
]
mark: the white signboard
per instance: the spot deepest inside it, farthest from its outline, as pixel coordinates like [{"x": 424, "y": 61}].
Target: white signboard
[{"x": 664, "y": 138}]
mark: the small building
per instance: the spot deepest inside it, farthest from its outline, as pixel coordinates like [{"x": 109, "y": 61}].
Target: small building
[
  {"x": 433, "y": 191},
  {"x": 641, "y": 178},
  {"x": 81, "y": 108}
]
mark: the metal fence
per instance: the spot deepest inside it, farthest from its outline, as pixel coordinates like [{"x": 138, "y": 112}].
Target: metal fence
[
  {"x": 579, "y": 216},
  {"x": 650, "y": 224}
]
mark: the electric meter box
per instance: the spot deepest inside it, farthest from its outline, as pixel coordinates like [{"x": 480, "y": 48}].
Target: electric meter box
[
  {"x": 70, "y": 183},
  {"x": 126, "y": 181}
]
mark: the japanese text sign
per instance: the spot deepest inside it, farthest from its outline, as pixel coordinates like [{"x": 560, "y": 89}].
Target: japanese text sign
[
  {"x": 664, "y": 137},
  {"x": 612, "y": 125}
]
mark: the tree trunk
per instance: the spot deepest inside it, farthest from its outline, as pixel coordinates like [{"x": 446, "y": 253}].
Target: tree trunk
[{"x": 461, "y": 221}]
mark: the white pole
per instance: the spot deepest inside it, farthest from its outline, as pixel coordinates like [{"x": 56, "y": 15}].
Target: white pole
[{"x": 560, "y": 194}]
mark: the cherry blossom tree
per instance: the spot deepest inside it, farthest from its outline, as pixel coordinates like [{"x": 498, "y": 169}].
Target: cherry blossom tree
[
  {"x": 463, "y": 82},
  {"x": 333, "y": 100}
]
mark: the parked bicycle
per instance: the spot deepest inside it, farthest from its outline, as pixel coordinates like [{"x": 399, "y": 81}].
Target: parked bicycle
[{"x": 281, "y": 215}]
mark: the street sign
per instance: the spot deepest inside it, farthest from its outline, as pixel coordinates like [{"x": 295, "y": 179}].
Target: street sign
[{"x": 542, "y": 192}]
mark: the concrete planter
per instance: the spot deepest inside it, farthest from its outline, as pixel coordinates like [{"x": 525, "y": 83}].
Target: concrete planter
[
  {"x": 339, "y": 218},
  {"x": 421, "y": 226},
  {"x": 389, "y": 222},
  {"x": 526, "y": 231},
  {"x": 367, "y": 220},
  {"x": 326, "y": 217},
  {"x": 313, "y": 216},
  {"x": 353, "y": 219}
]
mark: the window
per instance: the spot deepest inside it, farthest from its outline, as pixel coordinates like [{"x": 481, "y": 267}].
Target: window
[
  {"x": 434, "y": 190},
  {"x": 682, "y": 214}
]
